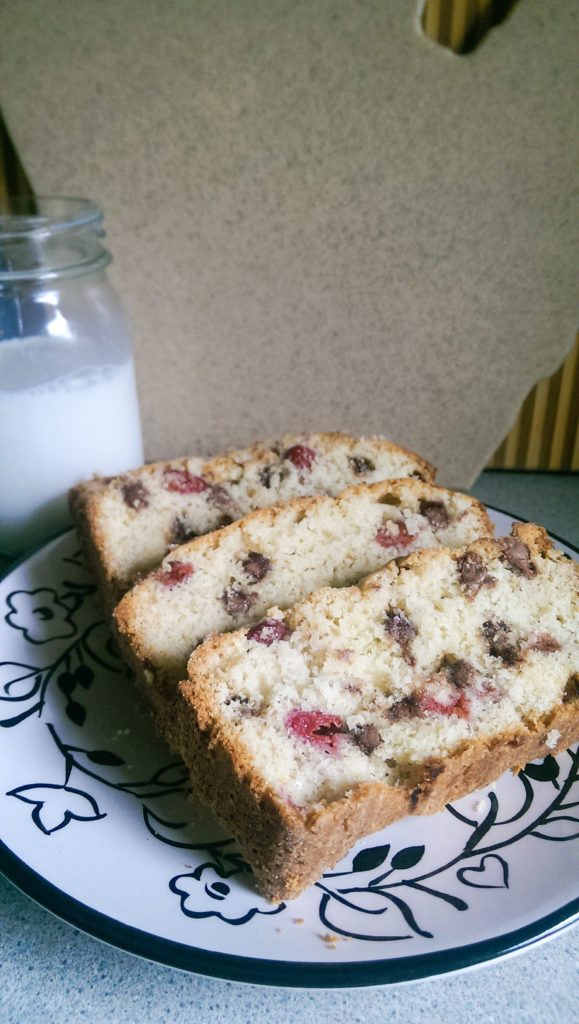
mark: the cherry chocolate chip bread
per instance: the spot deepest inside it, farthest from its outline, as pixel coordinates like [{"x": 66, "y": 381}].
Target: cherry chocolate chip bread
[
  {"x": 128, "y": 523},
  {"x": 433, "y": 676},
  {"x": 277, "y": 556}
]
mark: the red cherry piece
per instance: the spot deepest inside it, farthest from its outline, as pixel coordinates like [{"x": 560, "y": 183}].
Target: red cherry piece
[
  {"x": 268, "y": 631},
  {"x": 182, "y": 482},
  {"x": 458, "y": 705},
  {"x": 301, "y": 456},
  {"x": 177, "y": 573},
  {"x": 400, "y": 539},
  {"x": 544, "y": 642},
  {"x": 316, "y": 727}
]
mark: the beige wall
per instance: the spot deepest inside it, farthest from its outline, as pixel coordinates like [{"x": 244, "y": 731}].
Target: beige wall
[{"x": 320, "y": 219}]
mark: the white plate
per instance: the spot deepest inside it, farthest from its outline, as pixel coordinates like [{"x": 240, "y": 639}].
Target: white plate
[{"x": 95, "y": 825}]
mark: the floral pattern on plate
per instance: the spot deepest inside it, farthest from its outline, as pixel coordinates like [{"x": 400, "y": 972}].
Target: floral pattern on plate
[{"x": 81, "y": 767}]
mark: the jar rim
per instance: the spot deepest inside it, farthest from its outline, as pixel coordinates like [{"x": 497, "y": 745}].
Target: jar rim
[{"x": 36, "y": 216}]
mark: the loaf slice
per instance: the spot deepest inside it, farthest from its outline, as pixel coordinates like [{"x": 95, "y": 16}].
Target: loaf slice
[
  {"x": 359, "y": 706},
  {"x": 128, "y": 523},
  {"x": 278, "y": 556}
]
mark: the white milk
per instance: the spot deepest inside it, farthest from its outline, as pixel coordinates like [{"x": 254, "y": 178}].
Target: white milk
[{"x": 56, "y": 434}]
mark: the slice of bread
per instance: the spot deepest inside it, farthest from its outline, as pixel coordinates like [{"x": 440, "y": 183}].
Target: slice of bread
[
  {"x": 128, "y": 523},
  {"x": 359, "y": 706},
  {"x": 278, "y": 556}
]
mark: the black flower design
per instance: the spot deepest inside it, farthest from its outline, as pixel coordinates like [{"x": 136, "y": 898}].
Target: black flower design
[
  {"x": 387, "y": 892},
  {"x": 207, "y": 892},
  {"x": 40, "y": 614}
]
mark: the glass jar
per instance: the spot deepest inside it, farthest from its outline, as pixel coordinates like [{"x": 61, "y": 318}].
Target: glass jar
[{"x": 68, "y": 398}]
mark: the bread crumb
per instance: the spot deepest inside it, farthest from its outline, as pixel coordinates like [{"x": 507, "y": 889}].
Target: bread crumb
[
  {"x": 298, "y": 920},
  {"x": 552, "y": 739}
]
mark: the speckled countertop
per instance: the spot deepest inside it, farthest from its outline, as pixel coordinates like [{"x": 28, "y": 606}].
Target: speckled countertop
[{"x": 52, "y": 972}]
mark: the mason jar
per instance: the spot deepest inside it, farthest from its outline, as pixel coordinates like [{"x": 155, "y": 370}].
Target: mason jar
[{"x": 68, "y": 397}]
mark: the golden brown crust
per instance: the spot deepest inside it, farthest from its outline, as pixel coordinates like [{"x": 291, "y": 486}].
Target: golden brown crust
[
  {"x": 84, "y": 510},
  {"x": 289, "y": 848},
  {"x": 221, "y": 466}
]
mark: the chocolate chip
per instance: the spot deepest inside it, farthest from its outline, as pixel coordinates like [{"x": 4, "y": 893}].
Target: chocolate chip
[
  {"x": 242, "y": 705},
  {"x": 432, "y": 772},
  {"x": 404, "y": 709},
  {"x": 135, "y": 495},
  {"x": 180, "y": 533},
  {"x": 571, "y": 691},
  {"x": 389, "y": 499},
  {"x": 419, "y": 476},
  {"x": 436, "y": 513},
  {"x": 496, "y": 635},
  {"x": 256, "y": 565},
  {"x": 518, "y": 557},
  {"x": 460, "y": 672},
  {"x": 225, "y": 521},
  {"x": 415, "y": 797},
  {"x": 495, "y": 632},
  {"x": 265, "y": 475},
  {"x": 220, "y": 497},
  {"x": 360, "y": 464},
  {"x": 366, "y": 737},
  {"x": 399, "y": 627},
  {"x": 473, "y": 573},
  {"x": 237, "y": 601}
]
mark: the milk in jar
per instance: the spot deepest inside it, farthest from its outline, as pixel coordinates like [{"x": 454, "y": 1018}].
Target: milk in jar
[{"x": 68, "y": 396}]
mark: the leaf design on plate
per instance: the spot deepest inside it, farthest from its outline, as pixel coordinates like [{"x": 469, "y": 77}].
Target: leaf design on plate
[
  {"x": 104, "y": 757},
  {"x": 407, "y": 858},
  {"x": 371, "y": 858},
  {"x": 368, "y": 913},
  {"x": 18, "y": 681},
  {"x": 56, "y": 806},
  {"x": 171, "y": 775},
  {"x": 543, "y": 771},
  {"x": 559, "y": 829},
  {"x": 169, "y": 832},
  {"x": 76, "y": 712}
]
